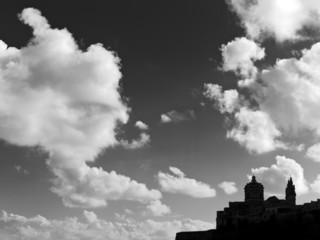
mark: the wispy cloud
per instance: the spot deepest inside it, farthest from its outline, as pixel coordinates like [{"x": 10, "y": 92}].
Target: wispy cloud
[
  {"x": 142, "y": 141},
  {"x": 176, "y": 117},
  {"x": 179, "y": 183},
  {"x": 94, "y": 228},
  {"x": 141, "y": 125},
  {"x": 228, "y": 187},
  {"x": 20, "y": 169}
]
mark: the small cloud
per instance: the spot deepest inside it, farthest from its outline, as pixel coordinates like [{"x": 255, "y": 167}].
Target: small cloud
[
  {"x": 228, "y": 187},
  {"x": 91, "y": 217},
  {"x": 176, "y": 117},
  {"x": 157, "y": 208},
  {"x": 239, "y": 56},
  {"x": 128, "y": 212},
  {"x": 178, "y": 183},
  {"x": 141, "y": 125},
  {"x": 313, "y": 152},
  {"x": 143, "y": 140},
  {"x": 19, "y": 169},
  {"x": 315, "y": 185}
]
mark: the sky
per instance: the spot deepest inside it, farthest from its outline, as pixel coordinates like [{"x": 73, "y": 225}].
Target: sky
[{"x": 139, "y": 119}]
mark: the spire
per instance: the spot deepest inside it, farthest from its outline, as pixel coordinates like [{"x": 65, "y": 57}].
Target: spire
[{"x": 290, "y": 192}]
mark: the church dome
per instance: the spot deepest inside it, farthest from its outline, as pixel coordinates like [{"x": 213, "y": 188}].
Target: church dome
[
  {"x": 253, "y": 190},
  {"x": 273, "y": 199}
]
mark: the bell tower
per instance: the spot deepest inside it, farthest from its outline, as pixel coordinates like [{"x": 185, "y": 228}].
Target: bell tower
[{"x": 290, "y": 193}]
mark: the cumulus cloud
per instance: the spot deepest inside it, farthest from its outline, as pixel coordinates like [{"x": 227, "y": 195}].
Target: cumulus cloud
[
  {"x": 14, "y": 227},
  {"x": 282, "y": 102},
  {"x": 283, "y": 20},
  {"x": 141, "y": 125},
  {"x": 313, "y": 152},
  {"x": 157, "y": 208},
  {"x": 228, "y": 187},
  {"x": 315, "y": 185},
  {"x": 143, "y": 140},
  {"x": 239, "y": 56},
  {"x": 227, "y": 101},
  {"x": 176, "y": 117},
  {"x": 275, "y": 178},
  {"x": 256, "y": 131},
  {"x": 179, "y": 183},
  {"x": 68, "y": 102}
]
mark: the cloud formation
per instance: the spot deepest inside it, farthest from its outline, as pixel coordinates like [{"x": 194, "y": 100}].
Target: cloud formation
[
  {"x": 226, "y": 101},
  {"x": 141, "y": 125},
  {"x": 176, "y": 117},
  {"x": 239, "y": 56},
  {"x": 142, "y": 141},
  {"x": 313, "y": 152},
  {"x": 256, "y": 131},
  {"x": 179, "y": 183},
  {"x": 280, "y": 102},
  {"x": 157, "y": 208},
  {"x": 283, "y": 20},
  {"x": 15, "y": 227},
  {"x": 275, "y": 178},
  {"x": 68, "y": 102},
  {"x": 228, "y": 187},
  {"x": 315, "y": 185}
]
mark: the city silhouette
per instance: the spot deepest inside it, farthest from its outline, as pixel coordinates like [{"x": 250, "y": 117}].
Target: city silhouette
[{"x": 257, "y": 218}]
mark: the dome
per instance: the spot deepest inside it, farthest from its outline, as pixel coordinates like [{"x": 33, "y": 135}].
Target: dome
[
  {"x": 253, "y": 190},
  {"x": 273, "y": 199},
  {"x": 253, "y": 184}
]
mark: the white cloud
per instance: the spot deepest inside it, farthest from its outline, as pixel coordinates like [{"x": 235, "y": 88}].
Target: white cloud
[
  {"x": 178, "y": 183},
  {"x": 227, "y": 101},
  {"x": 283, "y": 20},
  {"x": 97, "y": 186},
  {"x": 282, "y": 104},
  {"x": 239, "y": 56},
  {"x": 176, "y": 117},
  {"x": 256, "y": 131},
  {"x": 14, "y": 227},
  {"x": 228, "y": 187},
  {"x": 315, "y": 185},
  {"x": 275, "y": 177},
  {"x": 67, "y": 101},
  {"x": 291, "y": 95},
  {"x": 177, "y": 171},
  {"x": 157, "y": 208},
  {"x": 313, "y": 152},
  {"x": 143, "y": 140},
  {"x": 141, "y": 125}
]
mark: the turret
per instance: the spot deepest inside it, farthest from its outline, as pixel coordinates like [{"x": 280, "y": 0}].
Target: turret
[
  {"x": 290, "y": 193},
  {"x": 253, "y": 191}
]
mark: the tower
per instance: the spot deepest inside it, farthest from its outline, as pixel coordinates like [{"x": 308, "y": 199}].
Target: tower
[
  {"x": 253, "y": 191},
  {"x": 290, "y": 193}
]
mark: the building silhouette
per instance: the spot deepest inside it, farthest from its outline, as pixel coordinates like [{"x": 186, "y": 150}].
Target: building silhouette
[
  {"x": 255, "y": 209},
  {"x": 257, "y": 218}
]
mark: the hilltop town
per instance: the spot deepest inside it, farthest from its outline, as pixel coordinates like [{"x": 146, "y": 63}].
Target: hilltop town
[{"x": 257, "y": 218}]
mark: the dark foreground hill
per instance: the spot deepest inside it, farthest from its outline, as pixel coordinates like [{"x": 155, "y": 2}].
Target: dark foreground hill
[{"x": 302, "y": 226}]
